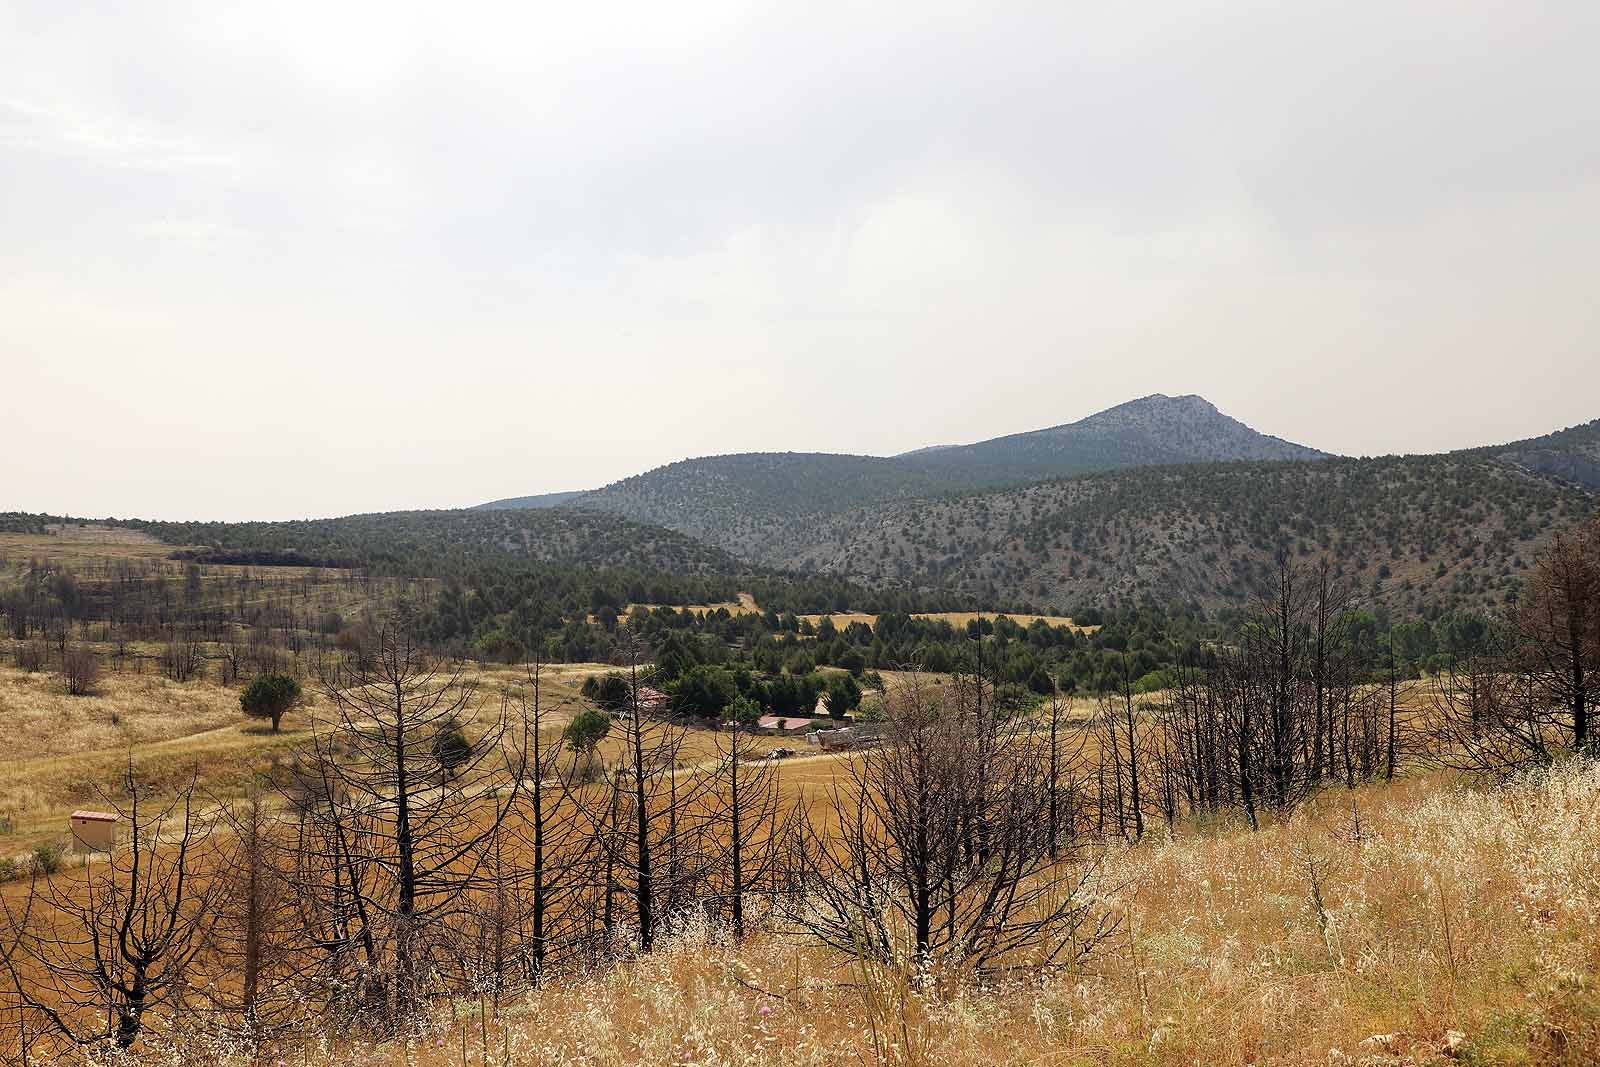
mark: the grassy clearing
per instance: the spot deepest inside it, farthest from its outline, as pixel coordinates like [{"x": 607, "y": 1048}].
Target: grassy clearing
[
  {"x": 957, "y": 619},
  {"x": 71, "y": 544},
  {"x": 746, "y": 605}
]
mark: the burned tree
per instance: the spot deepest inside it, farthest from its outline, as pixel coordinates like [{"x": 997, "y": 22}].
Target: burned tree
[
  {"x": 1559, "y": 626},
  {"x": 747, "y": 823},
  {"x": 1526, "y": 692},
  {"x": 105, "y": 959},
  {"x": 899, "y": 880},
  {"x": 410, "y": 832},
  {"x": 650, "y": 822},
  {"x": 1121, "y": 743},
  {"x": 1063, "y": 754},
  {"x": 1488, "y": 717},
  {"x": 555, "y": 846},
  {"x": 252, "y": 933}
]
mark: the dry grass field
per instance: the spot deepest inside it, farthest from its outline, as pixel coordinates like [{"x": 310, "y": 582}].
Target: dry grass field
[
  {"x": 746, "y": 605},
  {"x": 73, "y": 545},
  {"x": 64, "y": 752},
  {"x": 1412, "y": 923},
  {"x": 954, "y": 618}
]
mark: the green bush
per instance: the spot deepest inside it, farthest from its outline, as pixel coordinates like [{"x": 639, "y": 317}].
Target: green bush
[{"x": 47, "y": 857}]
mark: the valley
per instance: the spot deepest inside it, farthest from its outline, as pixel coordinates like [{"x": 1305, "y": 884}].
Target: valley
[{"x": 1244, "y": 706}]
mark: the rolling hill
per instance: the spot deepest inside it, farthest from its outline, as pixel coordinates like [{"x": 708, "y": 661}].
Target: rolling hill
[
  {"x": 739, "y": 502},
  {"x": 429, "y": 542},
  {"x": 1572, "y": 455},
  {"x": 1190, "y": 506},
  {"x": 1153, "y": 430},
  {"x": 539, "y": 500},
  {"x": 1160, "y": 499},
  {"x": 1448, "y": 529}
]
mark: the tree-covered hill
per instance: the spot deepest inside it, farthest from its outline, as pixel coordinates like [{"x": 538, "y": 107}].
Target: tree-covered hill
[
  {"x": 1573, "y": 454},
  {"x": 435, "y": 542},
  {"x": 1454, "y": 530},
  {"x": 1152, "y": 430},
  {"x": 737, "y": 502},
  {"x": 538, "y": 500}
]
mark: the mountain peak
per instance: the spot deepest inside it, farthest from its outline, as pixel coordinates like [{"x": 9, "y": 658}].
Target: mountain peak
[
  {"x": 1190, "y": 405},
  {"x": 737, "y": 502},
  {"x": 1151, "y": 429}
]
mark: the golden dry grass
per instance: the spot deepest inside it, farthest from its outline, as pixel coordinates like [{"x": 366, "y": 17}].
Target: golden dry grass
[
  {"x": 63, "y": 752},
  {"x": 746, "y": 605},
  {"x": 1312, "y": 941},
  {"x": 70, "y": 543},
  {"x": 954, "y": 618}
]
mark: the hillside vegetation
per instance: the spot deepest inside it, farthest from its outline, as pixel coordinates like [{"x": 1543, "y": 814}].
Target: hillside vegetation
[
  {"x": 1162, "y": 499},
  {"x": 1572, "y": 454},
  {"x": 1451, "y": 530},
  {"x": 738, "y": 502},
  {"x": 422, "y": 542},
  {"x": 1156, "y": 429}
]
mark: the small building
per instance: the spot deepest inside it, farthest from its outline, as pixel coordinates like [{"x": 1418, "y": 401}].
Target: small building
[
  {"x": 783, "y": 725},
  {"x": 833, "y": 740},
  {"x": 93, "y": 831},
  {"x": 845, "y": 738},
  {"x": 652, "y": 701}
]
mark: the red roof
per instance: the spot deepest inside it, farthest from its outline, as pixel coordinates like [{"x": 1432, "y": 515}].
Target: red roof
[
  {"x": 95, "y": 816},
  {"x": 774, "y": 722}
]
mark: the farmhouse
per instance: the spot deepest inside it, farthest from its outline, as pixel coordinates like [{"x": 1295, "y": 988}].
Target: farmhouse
[
  {"x": 652, "y": 701},
  {"x": 783, "y": 725}
]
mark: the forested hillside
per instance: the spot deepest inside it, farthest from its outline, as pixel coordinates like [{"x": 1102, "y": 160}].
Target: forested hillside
[
  {"x": 538, "y": 500},
  {"x": 429, "y": 542},
  {"x": 858, "y": 532},
  {"x": 736, "y": 502},
  {"x": 1424, "y": 530},
  {"x": 1572, "y": 454},
  {"x": 1155, "y": 429}
]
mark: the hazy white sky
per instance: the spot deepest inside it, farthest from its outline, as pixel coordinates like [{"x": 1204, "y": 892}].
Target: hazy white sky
[{"x": 277, "y": 260}]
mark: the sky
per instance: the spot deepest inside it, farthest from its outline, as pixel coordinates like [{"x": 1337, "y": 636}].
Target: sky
[{"x": 292, "y": 260}]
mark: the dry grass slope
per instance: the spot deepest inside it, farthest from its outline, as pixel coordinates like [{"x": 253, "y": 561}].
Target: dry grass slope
[{"x": 1412, "y": 923}]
